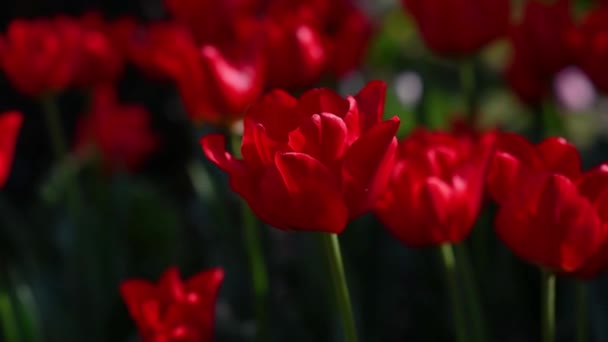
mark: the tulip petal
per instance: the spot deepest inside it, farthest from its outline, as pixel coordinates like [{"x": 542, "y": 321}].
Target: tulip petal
[
  {"x": 206, "y": 283},
  {"x": 560, "y": 156},
  {"x": 135, "y": 292},
  {"x": 370, "y": 101},
  {"x": 276, "y": 112},
  {"x": 214, "y": 147},
  {"x": 519, "y": 147},
  {"x": 367, "y": 166},
  {"x": 321, "y": 100},
  {"x": 593, "y": 183},
  {"x": 171, "y": 286},
  {"x": 314, "y": 202},
  {"x": 323, "y": 137},
  {"x": 10, "y": 123}
]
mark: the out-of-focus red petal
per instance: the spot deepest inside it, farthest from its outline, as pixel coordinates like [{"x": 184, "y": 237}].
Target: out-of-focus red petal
[
  {"x": 10, "y": 123},
  {"x": 593, "y": 183},
  {"x": 560, "y": 156}
]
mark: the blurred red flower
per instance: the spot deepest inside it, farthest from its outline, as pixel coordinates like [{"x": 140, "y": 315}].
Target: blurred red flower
[
  {"x": 459, "y": 27},
  {"x": 515, "y": 158},
  {"x": 541, "y": 48},
  {"x": 590, "y": 42},
  {"x": 550, "y": 214},
  {"x": 215, "y": 85},
  {"x": 211, "y": 21},
  {"x": 552, "y": 221},
  {"x": 100, "y": 59},
  {"x": 333, "y": 33},
  {"x": 296, "y": 50},
  {"x": 120, "y": 133},
  {"x": 349, "y": 33},
  {"x": 173, "y": 310},
  {"x": 311, "y": 163},
  {"x": 436, "y": 188},
  {"x": 10, "y": 123},
  {"x": 40, "y": 56}
]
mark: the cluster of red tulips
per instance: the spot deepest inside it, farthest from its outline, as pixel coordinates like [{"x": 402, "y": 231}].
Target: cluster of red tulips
[{"x": 317, "y": 161}]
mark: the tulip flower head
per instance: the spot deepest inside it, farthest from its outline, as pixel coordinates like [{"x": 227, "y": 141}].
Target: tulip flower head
[
  {"x": 436, "y": 188},
  {"x": 40, "y": 56},
  {"x": 541, "y": 48},
  {"x": 215, "y": 85},
  {"x": 459, "y": 27},
  {"x": 174, "y": 310},
  {"x": 311, "y": 163},
  {"x": 590, "y": 43},
  {"x": 121, "y": 133},
  {"x": 550, "y": 214}
]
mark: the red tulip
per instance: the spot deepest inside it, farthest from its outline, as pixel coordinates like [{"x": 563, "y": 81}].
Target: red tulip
[
  {"x": 215, "y": 85},
  {"x": 296, "y": 51},
  {"x": 551, "y": 221},
  {"x": 210, "y": 21},
  {"x": 591, "y": 45},
  {"x": 100, "y": 59},
  {"x": 459, "y": 27},
  {"x": 349, "y": 36},
  {"x": 436, "y": 188},
  {"x": 173, "y": 310},
  {"x": 540, "y": 48},
  {"x": 10, "y": 123},
  {"x": 311, "y": 163},
  {"x": 516, "y": 158},
  {"x": 39, "y": 56},
  {"x": 313, "y": 37},
  {"x": 121, "y": 133}
]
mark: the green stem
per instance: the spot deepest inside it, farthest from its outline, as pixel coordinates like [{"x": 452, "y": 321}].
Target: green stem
[
  {"x": 472, "y": 293},
  {"x": 552, "y": 123},
  {"x": 331, "y": 245},
  {"x": 548, "y": 306},
  {"x": 8, "y": 314},
  {"x": 258, "y": 270},
  {"x": 60, "y": 147},
  {"x": 581, "y": 312},
  {"x": 449, "y": 263},
  {"x": 257, "y": 265},
  {"x": 469, "y": 89},
  {"x": 53, "y": 121}
]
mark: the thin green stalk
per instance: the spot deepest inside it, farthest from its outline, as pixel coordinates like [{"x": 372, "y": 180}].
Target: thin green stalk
[
  {"x": 53, "y": 121},
  {"x": 581, "y": 312},
  {"x": 258, "y": 270},
  {"x": 334, "y": 259},
  {"x": 479, "y": 333},
  {"x": 469, "y": 89},
  {"x": 449, "y": 263},
  {"x": 548, "y": 306},
  {"x": 60, "y": 147},
  {"x": 8, "y": 314},
  {"x": 257, "y": 266},
  {"x": 552, "y": 123}
]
